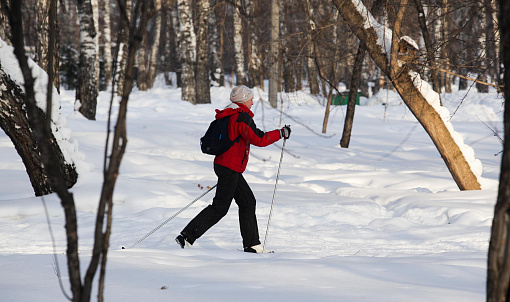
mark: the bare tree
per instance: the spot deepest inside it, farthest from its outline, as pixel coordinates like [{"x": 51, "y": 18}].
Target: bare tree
[
  {"x": 498, "y": 267},
  {"x": 355, "y": 84},
  {"x": 81, "y": 291}
]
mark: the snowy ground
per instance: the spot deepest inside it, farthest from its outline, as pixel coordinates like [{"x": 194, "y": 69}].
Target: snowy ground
[{"x": 380, "y": 221}]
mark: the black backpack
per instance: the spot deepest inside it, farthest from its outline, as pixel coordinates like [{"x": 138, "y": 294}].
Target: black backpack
[{"x": 216, "y": 140}]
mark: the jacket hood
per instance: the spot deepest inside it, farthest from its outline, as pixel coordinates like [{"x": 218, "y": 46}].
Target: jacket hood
[{"x": 229, "y": 111}]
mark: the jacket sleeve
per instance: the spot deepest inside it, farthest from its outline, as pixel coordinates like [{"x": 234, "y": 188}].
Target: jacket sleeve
[{"x": 249, "y": 131}]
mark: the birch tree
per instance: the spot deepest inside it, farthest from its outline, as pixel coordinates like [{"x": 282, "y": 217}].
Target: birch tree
[
  {"x": 122, "y": 46},
  {"x": 408, "y": 85},
  {"x": 216, "y": 24},
  {"x": 202, "y": 60},
  {"x": 155, "y": 46},
  {"x": 86, "y": 92},
  {"x": 46, "y": 9},
  {"x": 238, "y": 44},
  {"x": 188, "y": 45},
  {"x": 107, "y": 42},
  {"x": 256, "y": 73},
  {"x": 482, "y": 54},
  {"x": 312, "y": 70}
]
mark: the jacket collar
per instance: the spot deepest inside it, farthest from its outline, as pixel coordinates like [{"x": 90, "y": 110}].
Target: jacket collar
[{"x": 229, "y": 111}]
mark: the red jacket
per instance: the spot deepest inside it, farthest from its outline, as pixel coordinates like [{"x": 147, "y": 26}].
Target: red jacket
[{"x": 241, "y": 123}]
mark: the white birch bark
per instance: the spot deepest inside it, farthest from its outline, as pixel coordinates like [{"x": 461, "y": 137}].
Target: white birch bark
[
  {"x": 202, "y": 59},
  {"x": 312, "y": 69},
  {"x": 95, "y": 14},
  {"x": 215, "y": 41},
  {"x": 482, "y": 52},
  {"x": 86, "y": 92},
  {"x": 107, "y": 42},
  {"x": 188, "y": 45},
  {"x": 122, "y": 53},
  {"x": 155, "y": 46},
  {"x": 238, "y": 45}
]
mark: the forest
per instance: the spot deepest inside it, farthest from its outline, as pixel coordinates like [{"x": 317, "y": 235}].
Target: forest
[
  {"x": 88, "y": 46},
  {"x": 230, "y": 43}
]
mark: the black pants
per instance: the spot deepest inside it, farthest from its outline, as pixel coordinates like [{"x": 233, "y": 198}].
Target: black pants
[{"x": 231, "y": 184}]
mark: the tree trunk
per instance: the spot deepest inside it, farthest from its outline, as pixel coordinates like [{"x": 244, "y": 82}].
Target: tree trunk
[
  {"x": 238, "y": 45},
  {"x": 188, "y": 51},
  {"x": 122, "y": 47},
  {"x": 202, "y": 74},
  {"x": 274, "y": 53},
  {"x": 141, "y": 62},
  {"x": 14, "y": 121},
  {"x": 5, "y": 29},
  {"x": 498, "y": 268},
  {"x": 107, "y": 43},
  {"x": 42, "y": 43},
  {"x": 482, "y": 55},
  {"x": 86, "y": 92},
  {"x": 412, "y": 97},
  {"x": 42, "y": 134},
  {"x": 155, "y": 47},
  {"x": 422, "y": 21},
  {"x": 353, "y": 91},
  {"x": 216, "y": 22},
  {"x": 312, "y": 69},
  {"x": 255, "y": 56}
]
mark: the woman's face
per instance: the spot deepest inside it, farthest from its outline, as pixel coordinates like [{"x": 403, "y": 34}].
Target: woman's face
[{"x": 249, "y": 103}]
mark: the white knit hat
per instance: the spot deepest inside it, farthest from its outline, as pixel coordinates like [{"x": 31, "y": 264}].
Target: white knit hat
[{"x": 241, "y": 94}]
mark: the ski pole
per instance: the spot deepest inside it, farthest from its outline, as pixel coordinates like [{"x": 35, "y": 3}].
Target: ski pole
[
  {"x": 274, "y": 193},
  {"x": 166, "y": 221}
]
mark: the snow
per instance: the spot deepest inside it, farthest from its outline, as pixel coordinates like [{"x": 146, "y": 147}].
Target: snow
[
  {"x": 380, "y": 221},
  {"x": 384, "y": 34},
  {"x": 62, "y": 134},
  {"x": 433, "y": 99}
]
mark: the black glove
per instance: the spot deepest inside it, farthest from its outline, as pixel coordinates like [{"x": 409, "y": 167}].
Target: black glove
[{"x": 285, "y": 132}]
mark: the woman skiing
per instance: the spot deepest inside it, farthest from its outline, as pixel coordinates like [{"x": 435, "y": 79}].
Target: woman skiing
[{"x": 229, "y": 168}]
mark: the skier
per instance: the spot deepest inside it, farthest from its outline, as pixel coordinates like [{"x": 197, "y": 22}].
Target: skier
[{"x": 229, "y": 168}]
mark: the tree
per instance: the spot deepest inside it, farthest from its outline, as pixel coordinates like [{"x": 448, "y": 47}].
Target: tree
[
  {"x": 216, "y": 37},
  {"x": 238, "y": 43},
  {"x": 107, "y": 42},
  {"x": 188, "y": 51},
  {"x": 14, "y": 121},
  {"x": 355, "y": 83},
  {"x": 274, "y": 54},
  {"x": 47, "y": 9},
  {"x": 498, "y": 267},
  {"x": 202, "y": 73},
  {"x": 81, "y": 291},
  {"x": 357, "y": 17},
  {"x": 155, "y": 46},
  {"x": 86, "y": 92},
  {"x": 312, "y": 70}
]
